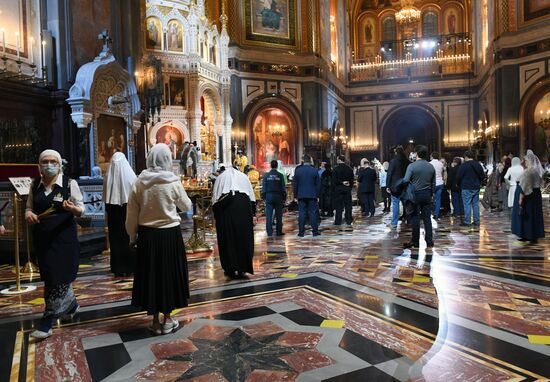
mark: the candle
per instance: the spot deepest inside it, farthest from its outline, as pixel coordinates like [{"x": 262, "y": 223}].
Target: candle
[
  {"x": 31, "y": 56},
  {"x": 43, "y": 58},
  {"x": 4, "y": 41},
  {"x": 17, "y": 43}
]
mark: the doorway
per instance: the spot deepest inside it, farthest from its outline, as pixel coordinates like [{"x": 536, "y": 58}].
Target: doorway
[{"x": 409, "y": 126}]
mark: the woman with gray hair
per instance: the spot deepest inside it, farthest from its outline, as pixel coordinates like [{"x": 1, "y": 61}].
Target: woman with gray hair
[
  {"x": 54, "y": 200},
  {"x": 161, "y": 280},
  {"x": 527, "y": 218}
]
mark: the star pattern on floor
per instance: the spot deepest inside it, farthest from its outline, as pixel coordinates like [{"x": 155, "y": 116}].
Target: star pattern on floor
[{"x": 238, "y": 354}]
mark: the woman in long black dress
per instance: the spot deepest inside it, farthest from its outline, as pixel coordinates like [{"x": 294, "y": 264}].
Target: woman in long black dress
[
  {"x": 161, "y": 280},
  {"x": 234, "y": 207},
  {"x": 54, "y": 200},
  {"x": 117, "y": 184},
  {"x": 527, "y": 218}
]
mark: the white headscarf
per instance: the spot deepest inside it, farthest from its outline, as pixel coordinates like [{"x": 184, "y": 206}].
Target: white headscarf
[
  {"x": 516, "y": 162},
  {"x": 232, "y": 180},
  {"x": 51, "y": 153},
  {"x": 118, "y": 182},
  {"x": 534, "y": 162},
  {"x": 159, "y": 166}
]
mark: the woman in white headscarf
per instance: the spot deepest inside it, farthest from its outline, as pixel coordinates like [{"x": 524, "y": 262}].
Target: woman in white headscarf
[
  {"x": 117, "y": 184},
  {"x": 161, "y": 280},
  {"x": 54, "y": 200},
  {"x": 527, "y": 218},
  {"x": 512, "y": 177},
  {"x": 234, "y": 207}
]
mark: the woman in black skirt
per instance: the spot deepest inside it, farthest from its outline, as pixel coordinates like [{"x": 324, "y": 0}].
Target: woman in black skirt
[
  {"x": 234, "y": 207},
  {"x": 161, "y": 280},
  {"x": 118, "y": 181},
  {"x": 527, "y": 216}
]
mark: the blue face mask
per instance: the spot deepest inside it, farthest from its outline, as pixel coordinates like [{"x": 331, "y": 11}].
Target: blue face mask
[{"x": 50, "y": 169}]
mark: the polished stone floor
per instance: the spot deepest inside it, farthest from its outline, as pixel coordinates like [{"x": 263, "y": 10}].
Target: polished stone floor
[{"x": 349, "y": 305}]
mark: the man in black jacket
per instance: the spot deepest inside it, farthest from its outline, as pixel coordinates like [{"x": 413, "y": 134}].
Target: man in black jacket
[
  {"x": 367, "y": 186},
  {"x": 342, "y": 180},
  {"x": 274, "y": 194},
  {"x": 396, "y": 172}
]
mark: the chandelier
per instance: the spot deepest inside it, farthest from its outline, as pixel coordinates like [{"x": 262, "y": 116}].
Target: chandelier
[
  {"x": 277, "y": 130},
  {"x": 407, "y": 14}
]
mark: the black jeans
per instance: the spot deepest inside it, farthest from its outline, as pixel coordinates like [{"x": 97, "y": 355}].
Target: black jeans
[
  {"x": 422, "y": 210},
  {"x": 342, "y": 201}
]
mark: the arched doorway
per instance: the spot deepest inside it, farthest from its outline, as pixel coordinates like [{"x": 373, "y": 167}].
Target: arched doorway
[
  {"x": 409, "y": 126},
  {"x": 535, "y": 112},
  {"x": 273, "y": 133},
  {"x": 210, "y": 111}
]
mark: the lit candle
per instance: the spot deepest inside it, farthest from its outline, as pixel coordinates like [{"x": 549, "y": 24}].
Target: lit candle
[
  {"x": 4, "y": 41},
  {"x": 43, "y": 58},
  {"x": 31, "y": 56},
  {"x": 17, "y": 43}
]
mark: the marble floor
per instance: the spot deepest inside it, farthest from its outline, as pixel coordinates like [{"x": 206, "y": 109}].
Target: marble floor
[{"x": 349, "y": 305}]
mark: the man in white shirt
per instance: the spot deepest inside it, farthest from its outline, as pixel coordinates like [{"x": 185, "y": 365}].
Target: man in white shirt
[{"x": 439, "y": 184}]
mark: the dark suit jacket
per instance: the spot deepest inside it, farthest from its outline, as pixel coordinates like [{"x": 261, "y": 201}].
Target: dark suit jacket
[
  {"x": 367, "y": 180},
  {"x": 341, "y": 174},
  {"x": 306, "y": 182}
]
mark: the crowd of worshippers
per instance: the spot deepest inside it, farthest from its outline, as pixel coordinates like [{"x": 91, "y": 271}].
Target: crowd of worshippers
[{"x": 143, "y": 215}]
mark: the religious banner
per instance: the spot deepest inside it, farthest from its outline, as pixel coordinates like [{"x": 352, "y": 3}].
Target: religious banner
[
  {"x": 270, "y": 22},
  {"x": 533, "y": 9}
]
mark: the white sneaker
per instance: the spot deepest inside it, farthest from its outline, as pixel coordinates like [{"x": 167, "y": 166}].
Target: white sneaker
[
  {"x": 170, "y": 326},
  {"x": 40, "y": 335}
]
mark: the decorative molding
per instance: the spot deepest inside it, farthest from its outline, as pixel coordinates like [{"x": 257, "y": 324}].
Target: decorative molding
[
  {"x": 251, "y": 89},
  {"x": 529, "y": 74},
  {"x": 292, "y": 92}
]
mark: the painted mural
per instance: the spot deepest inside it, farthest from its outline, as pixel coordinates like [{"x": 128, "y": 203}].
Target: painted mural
[{"x": 270, "y": 21}]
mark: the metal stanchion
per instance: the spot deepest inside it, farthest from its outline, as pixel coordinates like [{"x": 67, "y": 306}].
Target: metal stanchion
[
  {"x": 18, "y": 289},
  {"x": 107, "y": 252},
  {"x": 29, "y": 267}
]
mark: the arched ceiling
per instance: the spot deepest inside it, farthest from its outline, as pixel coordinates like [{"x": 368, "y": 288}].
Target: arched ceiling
[{"x": 358, "y": 6}]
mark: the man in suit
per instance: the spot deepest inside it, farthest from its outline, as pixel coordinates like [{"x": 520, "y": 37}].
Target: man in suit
[
  {"x": 274, "y": 194},
  {"x": 342, "y": 180},
  {"x": 306, "y": 190},
  {"x": 367, "y": 183}
]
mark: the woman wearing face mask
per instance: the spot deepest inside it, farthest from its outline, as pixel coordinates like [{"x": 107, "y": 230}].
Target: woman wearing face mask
[{"x": 54, "y": 200}]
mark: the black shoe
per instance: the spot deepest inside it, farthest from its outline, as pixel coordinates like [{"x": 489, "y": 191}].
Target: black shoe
[
  {"x": 430, "y": 245},
  {"x": 410, "y": 245},
  {"x": 280, "y": 234},
  {"x": 464, "y": 225},
  {"x": 300, "y": 235},
  {"x": 316, "y": 234}
]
